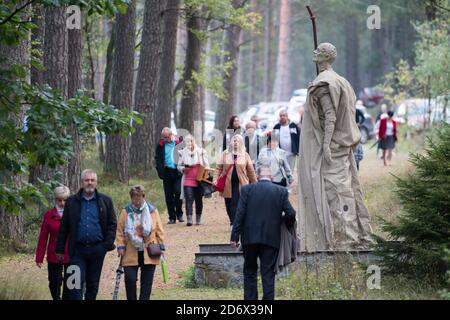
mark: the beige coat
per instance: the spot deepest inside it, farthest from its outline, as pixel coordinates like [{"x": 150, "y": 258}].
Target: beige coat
[
  {"x": 244, "y": 167},
  {"x": 131, "y": 257}
]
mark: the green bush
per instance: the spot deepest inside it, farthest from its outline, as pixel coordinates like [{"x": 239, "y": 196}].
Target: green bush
[{"x": 423, "y": 226}]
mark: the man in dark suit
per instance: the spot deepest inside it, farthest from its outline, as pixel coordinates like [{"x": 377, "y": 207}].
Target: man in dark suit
[
  {"x": 258, "y": 223},
  {"x": 89, "y": 224}
]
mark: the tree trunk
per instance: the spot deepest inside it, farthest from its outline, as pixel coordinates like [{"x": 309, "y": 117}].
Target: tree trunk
[
  {"x": 212, "y": 61},
  {"x": 37, "y": 41},
  {"x": 91, "y": 74},
  {"x": 282, "y": 87},
  {"x": 56, "y": 76},
  {"x": 11, "y": 226},
  {"x": 107, "y": 85},
  {"x": 232, "y": 46},
  {"x": 274, "y": 9},
  {"x": 190, "y": 101},
  {"x": 146, "y": 95},
  {"x": 117, "y": 146},
  {"x": 352, "y": 52},
  {"x": 167, "y": 76},
  {"x": 254, "y": 61},
  {"x": 75, "y": 80},
  {"x": 381, "y": 61}
]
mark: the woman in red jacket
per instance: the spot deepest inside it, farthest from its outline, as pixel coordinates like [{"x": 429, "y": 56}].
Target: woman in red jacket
[
  {"x": 387, "y": 136},
  {"x": 47, "y": 243}
]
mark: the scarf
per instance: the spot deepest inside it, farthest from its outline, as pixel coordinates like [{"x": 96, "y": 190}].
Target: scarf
[
  {"x": 138, "y": 217},
  {"x": 59, "y": 211},
  {"x": 191, "y": 158}
]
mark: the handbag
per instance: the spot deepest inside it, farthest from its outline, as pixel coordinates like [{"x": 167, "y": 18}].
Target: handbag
[
  {"x": 153, "y": 250},
  {"x": 220, "y": 183},
  {"x": 207, "y": 188}
]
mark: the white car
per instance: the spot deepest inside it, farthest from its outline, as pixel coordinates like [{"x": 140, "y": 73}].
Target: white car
[{"x": 210, "y": 118}]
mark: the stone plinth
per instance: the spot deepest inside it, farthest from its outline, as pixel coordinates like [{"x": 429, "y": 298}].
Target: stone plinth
[{"x": 219, "y": 266}]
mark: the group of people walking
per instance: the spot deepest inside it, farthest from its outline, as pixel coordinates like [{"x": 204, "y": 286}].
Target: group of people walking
[
  {"x": 82, "y": 228},
  {"x": 244, "y": 150},
  {"x": 78, "y": 232}
]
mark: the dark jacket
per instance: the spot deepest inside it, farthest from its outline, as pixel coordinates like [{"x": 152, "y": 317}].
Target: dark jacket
[
  {"x": 160, "y": 155},
  {"x": 360, "y": 118},
  {"x": 289, "y": 245},
  {"x": 295, "y": 137},
  {"x": 259, "y": 214},
  {"x": 71, "y": 219}
]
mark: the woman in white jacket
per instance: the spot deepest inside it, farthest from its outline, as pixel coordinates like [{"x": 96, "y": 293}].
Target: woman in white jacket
[
  {"x": 275, "y": 158},
  {"x": 189, "y": 161}
]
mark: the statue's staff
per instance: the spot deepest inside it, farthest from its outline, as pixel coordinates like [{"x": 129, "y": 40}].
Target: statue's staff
[{"x": 313, "y": 20}]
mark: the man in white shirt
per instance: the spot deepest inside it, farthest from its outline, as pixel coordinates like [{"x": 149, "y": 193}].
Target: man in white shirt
[{"x": 289, "y": 137}]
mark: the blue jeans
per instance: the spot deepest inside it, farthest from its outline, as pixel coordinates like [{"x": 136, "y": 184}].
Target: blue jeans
[{"x": 90, "y": 261}]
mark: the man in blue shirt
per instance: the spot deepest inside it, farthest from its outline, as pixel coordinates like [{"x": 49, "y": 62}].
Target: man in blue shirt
[
  {"x": 88, "y": 227},
  {"x": 168, "y": 172}
]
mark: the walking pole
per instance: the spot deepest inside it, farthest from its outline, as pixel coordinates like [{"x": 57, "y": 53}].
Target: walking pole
[
  {"x": 313, "y": 20},
  {"x": 119, "y": 273}
]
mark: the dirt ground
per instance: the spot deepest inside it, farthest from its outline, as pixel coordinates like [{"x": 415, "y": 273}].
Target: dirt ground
[{"x": 181, "y": 241}]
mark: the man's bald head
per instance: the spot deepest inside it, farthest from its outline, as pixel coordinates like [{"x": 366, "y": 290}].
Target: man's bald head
[{"x": 325, "y": 52}]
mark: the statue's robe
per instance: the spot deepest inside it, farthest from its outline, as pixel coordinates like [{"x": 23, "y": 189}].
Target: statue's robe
[{"x": 332, "y": 213}]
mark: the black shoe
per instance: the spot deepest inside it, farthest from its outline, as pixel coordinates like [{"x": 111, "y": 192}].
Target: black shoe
[
  {"x": 181, "y": 219},
  {"x": 171, "y": 221}
]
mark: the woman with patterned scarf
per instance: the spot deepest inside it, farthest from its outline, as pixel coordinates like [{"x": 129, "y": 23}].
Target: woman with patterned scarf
[
  {"x": 139, "y": 225},
  {"x": 189, "y": 161}
]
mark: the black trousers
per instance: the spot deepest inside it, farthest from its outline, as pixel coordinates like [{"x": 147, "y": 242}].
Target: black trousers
[
  {"x": 88, "y": 261},
  {"x": 147, "y": 273},
  {"x": 172, "y": 192},
  {"x": 231, "y": 204},
  {"x": 192, "y": 194},
  {"x": 267, "y": 258},
  {"x": 56, "y": 273}
]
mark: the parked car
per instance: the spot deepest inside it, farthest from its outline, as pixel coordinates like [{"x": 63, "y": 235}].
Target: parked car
[
  {"x": 300, "y": 93},
  {"x": 210, "y": 118},
  {"x": 371, "y": 97},
  {"x": 268, "y": 113},
  {"x": 246, "y": 115},
  {"x": 367, "y": 127},
  {"x": 296, "y": 103},
  {"x": 417, "y": 113}
]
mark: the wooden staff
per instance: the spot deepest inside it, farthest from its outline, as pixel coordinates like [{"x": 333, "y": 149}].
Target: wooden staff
[{"x": 313, "y": 20}]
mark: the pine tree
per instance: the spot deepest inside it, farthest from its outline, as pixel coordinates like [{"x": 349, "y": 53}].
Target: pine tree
[{"x": 423, "y": 227}]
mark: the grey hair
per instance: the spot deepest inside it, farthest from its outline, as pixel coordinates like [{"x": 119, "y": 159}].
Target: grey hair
[
  {"x": 263, "y": 171},
  {"x": 61, "y": 192},
  {"x": 251, "y": 122},
  {"x": 86, "y": 171},
  {"x": 283, "y": 112},
  {"x": 166, "y": 129}
]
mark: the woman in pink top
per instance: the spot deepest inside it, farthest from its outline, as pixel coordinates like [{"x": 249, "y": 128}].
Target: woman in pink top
[{"x": 189, "y": 161}]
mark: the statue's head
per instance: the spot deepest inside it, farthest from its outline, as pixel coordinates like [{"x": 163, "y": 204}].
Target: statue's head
[{"x": 325, "y": 52}]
